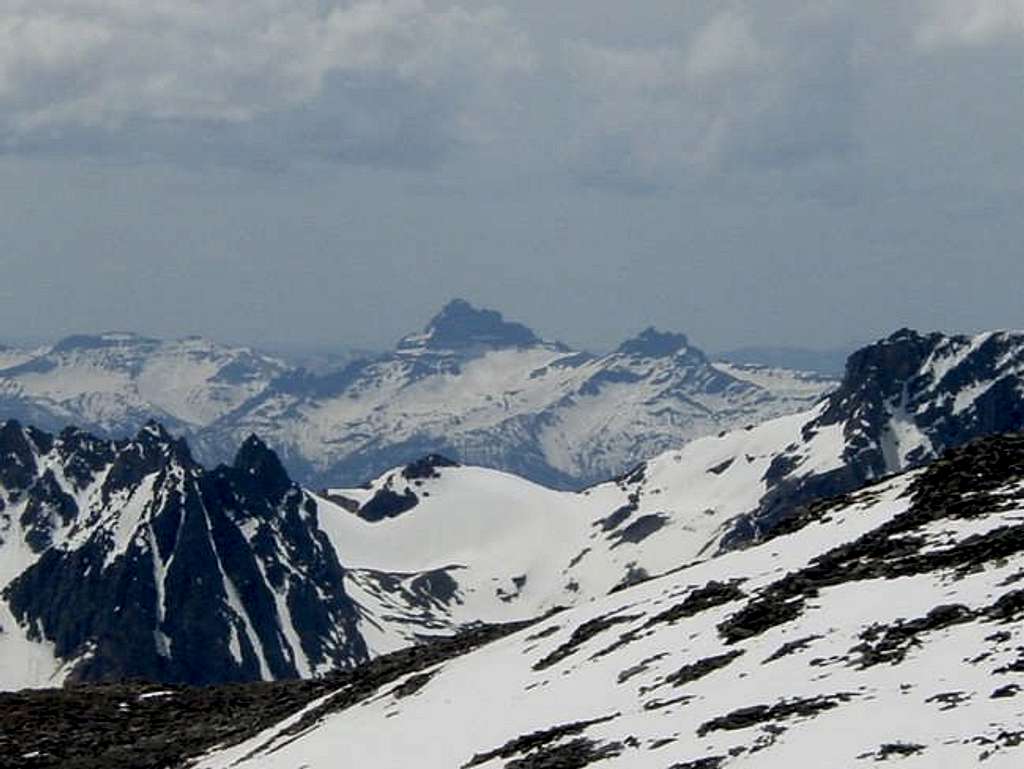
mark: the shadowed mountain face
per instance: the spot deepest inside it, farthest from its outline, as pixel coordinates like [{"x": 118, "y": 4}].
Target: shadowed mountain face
[
  {"x": 127, "y": 559},
  {"x": 461, "y": 326},
  {"x": 902, "y": 402}
]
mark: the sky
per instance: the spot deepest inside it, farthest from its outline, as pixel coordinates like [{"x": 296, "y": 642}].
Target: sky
[{"x": 318, "y": 172}]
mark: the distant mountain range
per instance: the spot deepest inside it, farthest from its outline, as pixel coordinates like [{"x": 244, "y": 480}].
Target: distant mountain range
[
  {"x": 127, "y": 558},
  {"x": 830, "y": 362},
  {"x": 472, "y": 385}
]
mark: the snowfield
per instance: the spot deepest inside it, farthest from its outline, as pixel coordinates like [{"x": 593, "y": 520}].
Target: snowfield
[{"x": 885, "y": 629}]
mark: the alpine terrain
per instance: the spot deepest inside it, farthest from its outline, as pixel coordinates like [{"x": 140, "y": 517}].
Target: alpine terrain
[
  {"x": 472, "y": 386},
  {"x": 127, "y": 559},
  {"x": 884, "y": 627},
  {"x": 130, "y": 559},
  {"x": 111, "y": 384},
  {"x": 489, "y": 392}
]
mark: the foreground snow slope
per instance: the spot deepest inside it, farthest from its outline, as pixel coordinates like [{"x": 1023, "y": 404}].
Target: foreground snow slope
[{"x": 885, "y": 627}]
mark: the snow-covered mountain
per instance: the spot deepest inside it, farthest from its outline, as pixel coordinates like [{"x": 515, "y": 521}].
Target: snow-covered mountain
[
  {"x": 472, "y": 385},
  {"x": 126, "y": 559},
  {"x": 884, "y": 628},
  {"x": 115, "y": 382},
  {"x": 489, "y": 392},
  {"x": 15, "y": 356},
  {"x": 495, "y": 547},
  {"x": 433, "y": 547}
]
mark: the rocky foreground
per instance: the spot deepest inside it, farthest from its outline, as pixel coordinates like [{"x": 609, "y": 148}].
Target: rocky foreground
[{"x": 139, "y": 725}]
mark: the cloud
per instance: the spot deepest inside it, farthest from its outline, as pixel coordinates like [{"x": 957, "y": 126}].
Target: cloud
[
  {"x": 812, "y": 99},
  {"x": 347, "y": 76},
  {"x": 743, "y": 90},
  {"x": 724, "y": 47},
  {"x": 954, "y": 23}
]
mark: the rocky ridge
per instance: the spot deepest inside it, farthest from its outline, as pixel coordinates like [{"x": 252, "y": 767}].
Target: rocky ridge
[{"x": 128, "y": 559}]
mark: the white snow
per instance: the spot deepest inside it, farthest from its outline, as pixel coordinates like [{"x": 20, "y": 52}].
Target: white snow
[
  {"x": 487, "y": 406},
  {"x": 482, "y": 700}
]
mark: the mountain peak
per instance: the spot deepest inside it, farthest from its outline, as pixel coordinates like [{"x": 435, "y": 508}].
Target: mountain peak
[
  {"x": 153, "y": 430},
  {"x": 155, "y": 438},
  {"x": 882, "y": 370},
  {"x": 460, "y": 326},
  {"x": 258, "y": 460},
  {"x": 652, "y": 343}
]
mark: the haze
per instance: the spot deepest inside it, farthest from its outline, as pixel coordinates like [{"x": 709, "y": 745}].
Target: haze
[{"x": 330, "y": 173}]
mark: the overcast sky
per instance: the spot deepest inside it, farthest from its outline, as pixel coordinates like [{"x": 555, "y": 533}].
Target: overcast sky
[{"x": 321, "y": 172}]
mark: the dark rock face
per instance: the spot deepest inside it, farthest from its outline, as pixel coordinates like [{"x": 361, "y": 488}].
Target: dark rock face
[
  {"x": 266, "y": 474},
  {"x": 945, "y": 390},
  {"x": 427, "y": 467},
  {"x": 48, "y": 508},
  {"x": 18, "y": 465},
  {"x": 461, "y": 326},
  {"x": 537, "y": 753},
  {"x": 651, "y": 343},
  {"x": 388, "y": 503},
  {"x": 175, "y": 573},
  {"x": 928, "y": 381}
]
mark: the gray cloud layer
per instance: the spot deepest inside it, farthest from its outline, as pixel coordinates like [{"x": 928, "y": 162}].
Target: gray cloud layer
[
  {"x": 732, "y": 169},
  {"x": 371, "y": 81}
]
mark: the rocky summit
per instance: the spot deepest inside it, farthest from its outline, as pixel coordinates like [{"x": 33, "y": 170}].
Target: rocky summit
[{"x": 127, "y": 559}]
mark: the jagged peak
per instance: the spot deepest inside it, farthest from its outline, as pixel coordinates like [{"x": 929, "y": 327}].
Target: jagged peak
[
  {"x": 154, "y": 437},
  {"x": 255, "y": 458},
  {"x": 460, "y": 326},
  {"x": 153, "y": 430},
  {"x": 653, "y": 343},
  {"x": 10, "y": 426}
]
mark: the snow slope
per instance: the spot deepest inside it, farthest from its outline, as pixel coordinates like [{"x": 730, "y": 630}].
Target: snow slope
[
  {"x": 885, "y": 629},
  {"x": 114, "y": 382},
  {"x": 433, "y": 547},
  {"x": 498, "y": 548},
  {"x": 15, "y": 356}
]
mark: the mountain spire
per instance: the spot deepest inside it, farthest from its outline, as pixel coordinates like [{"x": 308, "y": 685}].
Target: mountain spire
[{"x": 461, "y": 326}]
